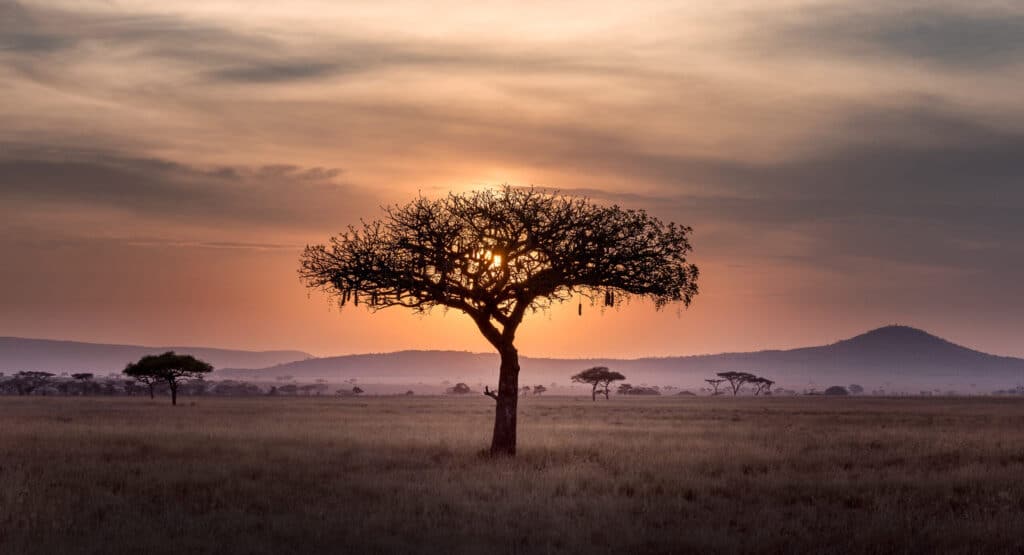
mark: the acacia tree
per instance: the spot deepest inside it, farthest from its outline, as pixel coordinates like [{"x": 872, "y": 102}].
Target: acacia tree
[
  {"x": 737, "y": 379},
  {"x": 762, "y": 385},
  {"x": 715, "y": 383},
  {"x": 497, "y": 254},
  {"x": 168, "y": 367},
  {"x": 600, "y": 378},
  {"x": 149, "y": 381}
]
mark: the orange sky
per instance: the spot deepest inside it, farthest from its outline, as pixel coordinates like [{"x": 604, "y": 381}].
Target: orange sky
[{"x": 844, "y": 164}]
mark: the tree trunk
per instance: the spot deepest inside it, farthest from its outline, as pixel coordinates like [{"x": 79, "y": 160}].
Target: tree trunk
[
  {"x": 593, "y": 393},
  {"x": 151, "y": 391},
  {"x": 174, "y": 394},
  {"x": 503, "y": 442}
]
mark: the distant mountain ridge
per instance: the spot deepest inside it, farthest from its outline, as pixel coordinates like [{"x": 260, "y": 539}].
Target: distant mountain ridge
[
  {"x": 896, "y": 355},
  {"x": 48, "y": 355},
  {"x": 889, "y": 355}
]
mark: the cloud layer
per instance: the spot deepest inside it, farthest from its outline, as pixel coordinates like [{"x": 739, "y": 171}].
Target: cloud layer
[{"x": 829, "y": 154}]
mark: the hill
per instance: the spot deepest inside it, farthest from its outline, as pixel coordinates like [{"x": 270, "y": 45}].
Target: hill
[
  {"x": 47, "y": 355},
  {"x": 892, "y": 357}
]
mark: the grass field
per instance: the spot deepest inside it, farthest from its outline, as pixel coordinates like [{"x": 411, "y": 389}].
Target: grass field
[{"x": 404, "y": 475}]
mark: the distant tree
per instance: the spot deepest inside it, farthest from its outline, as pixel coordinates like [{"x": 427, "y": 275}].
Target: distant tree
[
  {"x": 410, "y": 392},
  {"x": 600, "y": 379},
  {"x": 525, "y": 390},
  {"x": 736, "y": 379},
  {"x": 836, "y": 390},
  {"x": 539, "y": 389},
  {"x": 356, "y": 390},
  {"x": 459, "y": 389},
  {"x": 84, "y": 379},
  {"x": 627, "y": 389},
  {"x": 150, "y": 381},
  {"x": 170, "y": 368},
  {"x": 31, "y": 380},
  {"x": 715, "y": 383},
  {"x": 855, "y": 389},
  {"x": 762, "y": 385},
  {"x": 496, "y": 255}
]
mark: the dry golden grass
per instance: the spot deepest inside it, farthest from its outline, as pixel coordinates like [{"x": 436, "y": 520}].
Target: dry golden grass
[{"x": 403, "y": 475}]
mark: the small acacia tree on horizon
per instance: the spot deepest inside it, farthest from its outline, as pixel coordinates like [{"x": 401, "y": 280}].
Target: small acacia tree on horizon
[
  {"x": 715, "y": 383},
  {"x": 737, "y": 380},
  {"x": 497, "y": 254},
  {"x": 168, "y": 367},
  {"x": 600, "y": 378}
]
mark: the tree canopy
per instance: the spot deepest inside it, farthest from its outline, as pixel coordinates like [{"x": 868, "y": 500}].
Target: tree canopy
[
  {"x": 737, "y": 379},
  {"x": 497, "y": 254},
  {"x": 600, "y": 378},
  {"x": 168, "y": 367}
]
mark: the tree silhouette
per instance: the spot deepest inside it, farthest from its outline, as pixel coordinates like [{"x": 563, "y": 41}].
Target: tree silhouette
[
  {"x": 539, "y": 389},
  {"x": 600, "y": 379},
  {"x": 715, "y": 383},
  {"x": 737, "y": 379},
  {"x": 762, "y": 385},
  {"x": 168, "y": 367},
  {"x": 629, "y": 389},
  {"x": 149, "y": 381},
  {"x": 459, "y": 389},
  {"x": 497, "y": 254}
]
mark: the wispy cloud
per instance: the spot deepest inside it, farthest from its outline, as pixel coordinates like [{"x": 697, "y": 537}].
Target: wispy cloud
[
  {"x": 974, "y": 37},
  {"x": 842, "y": 138}
]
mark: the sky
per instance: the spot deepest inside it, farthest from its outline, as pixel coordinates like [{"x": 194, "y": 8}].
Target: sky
[{"x": 845, "y": 165}]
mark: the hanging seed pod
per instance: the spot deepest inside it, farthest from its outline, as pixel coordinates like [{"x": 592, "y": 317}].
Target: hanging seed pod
[
  {"x": 580, "y": 310},
  {"x": 611, "y": 298},
  {"x": 355, "y": 298}
]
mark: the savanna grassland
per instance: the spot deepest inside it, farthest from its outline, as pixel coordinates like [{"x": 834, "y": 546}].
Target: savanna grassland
[{"x": 404, "y": 475}]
